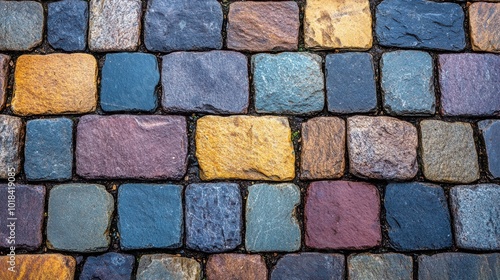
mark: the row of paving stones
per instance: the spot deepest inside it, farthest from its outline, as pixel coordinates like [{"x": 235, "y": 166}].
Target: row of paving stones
[{"x": 251, "y": 26}]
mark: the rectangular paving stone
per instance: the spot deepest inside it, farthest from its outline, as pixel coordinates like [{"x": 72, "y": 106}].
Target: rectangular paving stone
[
  {"x": 309, "y": 266},
  {"x": 4, "y": 78},
  {"x": 67, "y": 23},
  {"x": 484, "y": 19},
  {"x": 55, "y": 84},
  {"x": 11, "y": 135},
  {"x": 449, "y": 266},
  {"x": 236, "y": 266},
  {"x": 128, "y": 146},
  {"x": 263, "y": 26},
  {"x": 490, "y": 130},
  {"x": 164, "y": 266},
  {"x": 111, "y": 265},
  {"x": 368, "y": 266},
  {"x": 245, "y": 147},
  {"x": 21, "y": 25},
  {"x": 39, "y": 266}
]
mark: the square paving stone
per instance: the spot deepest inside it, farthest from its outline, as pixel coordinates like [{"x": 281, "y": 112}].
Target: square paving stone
[
  {"x": 382, "y": 148},
  {"x": 271, "y": 221},
  {"x": 459, "y": 266},
  {"x": 128, "y": 82},
  {"x": 39, "y": 267},
  {"x": 48, "y": 149},
  {"x": 263, "y": 26},
  {"x": 171, "y": 25},
  {"x": 448, "y": 152},
  {"x": 342, "y": 215},
  {"x": 21, "y": 25},
  {"x": 408, "y": 83},
  {"x": 236, "y": 266},
  {"x": 380, "y": 266},
  {"x": 309, "y": 266},
  {"x": 205, "y": 82},
  {"x": 288, "y": 83},
  {"x": 67, "y": 25},
  {"x": 163, "y": 266},
  {"x": 79, "y": 218},
  {"x": 418, "y": 217},
  {"x": 108, "y": 266},
  {"x": 11, "y": 134},
  {"x": 490, "y": 130},
  {"x": 476, "y": 213},
  {"x": 4, "y": 78},
  {"x": 484, "y": 19},
  {"x": 350, "y": 83},
  {"x": 27, "y": 214},
  {"x": 150, "y": 216}
]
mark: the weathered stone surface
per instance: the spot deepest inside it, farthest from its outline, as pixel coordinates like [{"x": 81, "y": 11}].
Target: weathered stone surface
[
  {"x": 448, "y": 152},
  {"x": 350, "y": 83},
  {"x": 449, "y": 266},
  {"x": 79, "y": 218},
  {"x": 342, "y": 215},
  {"x": 28, "y": 212},
  {"x": 127, "y": 146},
  {"x": 205, "y": 82},
  {"x": 171, "y": 25},
  {"x": 114, "y": 25},
  {"x": 10, "y": 148},
  {"x": 245, "y": 147},
  {"x": 484, "y": 19},
  {"x": 420, "y": 24},
  {"x": 382, "y": 148},
  {"x": 476, "y": 213},
  {"x": 490, "y": 130},
  {"x": 338, "y": 24},
  {"x": 470, "y": 84},
  {"x": 163, "y": 266},
  {"x": 236, "y": 266},
  {"x": 108, "y": 266},
  {"x": 150, "y": 216},
  {"x": 271, "y": 223},
  {"x": 323, "y": 148},
  {"x": 418, "y": 217},
  {"x": 67, "y": 25},
  {"x": 128, "y": 82},
  {"x": 288, "y": 83},
  {"x": 4, "y": 78},
  {"x": 213, "y": 217},
  {"x": 263, "y": 26},
  {"x": 408, "y": 83},
  {"x": 55, "y": 84},
  {"x": 48, "y": 149},
  {"x": 21, "y": 25},
  {"x": 40, "y": 266},
  {"x": 309, "y": 266},
  {"x": 380, "y": 266}
]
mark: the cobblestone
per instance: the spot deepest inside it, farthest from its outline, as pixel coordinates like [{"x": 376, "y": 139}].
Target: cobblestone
[
  {"x": 21, "y": 25},
  {"x": 165, "y": 266},
  {"x": 67, "y": 25},
  {"x": 108, "y": 266},
  {"x": 484, "y": 19},
  {"x": 380, "y": 266},
  {"x": 10, "y": 148},
  {"x": 4, "y": 78},
  {"x": 490, "y": 130},
  {"x": 458, "y": 266},
  {"x": 47, "y": 266},
  {"x": 236, "y": 266}
]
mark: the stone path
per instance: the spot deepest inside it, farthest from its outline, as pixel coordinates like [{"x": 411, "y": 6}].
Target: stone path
[{"x": 309, "y": 139}]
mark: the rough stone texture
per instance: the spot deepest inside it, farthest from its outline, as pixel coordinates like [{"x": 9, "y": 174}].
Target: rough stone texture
[
  {"x": 114, "y": 25},
  {"x": 490, "y": 130},
  {"x": 128, "y": 82},
  {"x": 150, "y": 216},
  {"x": 42, "y": 267},
  {"x": 417, "y": 216},
  {"x": 271, "y": 222},
  {"x": 476, "y": 212},
  {"x": 309, "y": 266},
  {"x": 484, "y": 19},
  {"x": 449, "y": 266},
  {"x": 108, "y": 266},
  {"x": 288, "y": 83},
  {"x": 323, "y": 148},
  {"x": 127, "y": 146},
  {"x": 79, "y": 218},
  {"x": 55, "y": 84},
  {"x": 380, "y": 266},
  {"x": 21, "y": 26},
  {"x": 448, "y": 152},
  {"x": 263, "y": 26},
  {"x": 48, "y": 149},
  {"x": 245, "y": 147},
  {"x": 382, "y": 148},
  {"x": 470, "y": 84},
  {"x": 408, "y": 83},
  {"x": 213, "y": 217},
  {"x": 29, "y": 210},
  {"x": 163, "y": 266},
  {"x": 420, "y": 24},
  {"x": 10, "y": 145},
  {"x": 205, "y": 82},
  {"x": 342, "y": 215},
  {"x": 236, "y": 266},
  {"x": 350, "y": 83},
  {"x": 338, "y": 24},
  {"x": 4, "y": 78},
  {"x": 67, "y": 25},
  {"x": 172, "y": 25}
]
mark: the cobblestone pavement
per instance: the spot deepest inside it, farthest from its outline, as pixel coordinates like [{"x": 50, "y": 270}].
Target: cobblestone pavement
[{"x": 308, "y": 139}]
